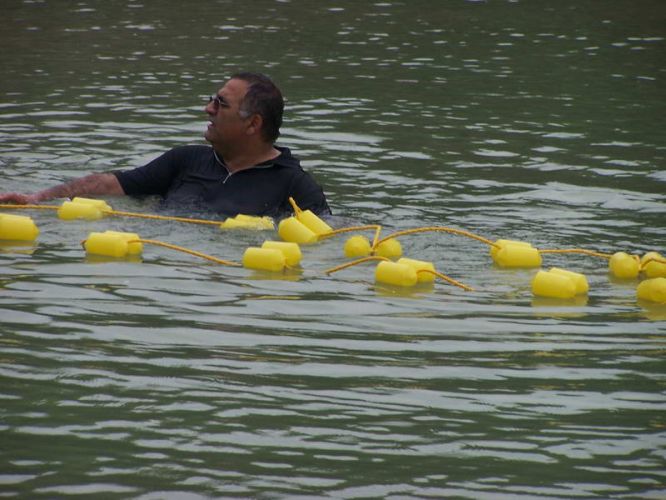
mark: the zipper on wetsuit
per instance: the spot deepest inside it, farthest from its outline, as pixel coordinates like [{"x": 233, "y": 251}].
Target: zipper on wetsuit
[
  {"x": 221, "y": 163},
  {"x": 229, "y": 174}
]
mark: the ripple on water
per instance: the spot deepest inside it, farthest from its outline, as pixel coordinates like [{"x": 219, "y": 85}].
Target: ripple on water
[{"x": 173, "y": 377}]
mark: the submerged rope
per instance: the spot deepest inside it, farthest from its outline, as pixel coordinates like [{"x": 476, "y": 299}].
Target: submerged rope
[
  {"x": 447, "y": 279},
  {"x": 579, "y": 250},
  {"x": 186, "y": 250}
]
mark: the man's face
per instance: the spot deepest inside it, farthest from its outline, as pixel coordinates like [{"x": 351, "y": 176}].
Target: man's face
[{"x": 226, "y": 123}]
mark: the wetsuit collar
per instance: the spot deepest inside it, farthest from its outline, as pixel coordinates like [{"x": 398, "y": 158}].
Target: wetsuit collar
[{"x": 284, "y": 159}]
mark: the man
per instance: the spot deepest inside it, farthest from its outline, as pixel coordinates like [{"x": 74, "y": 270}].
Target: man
[{"x": 243, "y": 172}]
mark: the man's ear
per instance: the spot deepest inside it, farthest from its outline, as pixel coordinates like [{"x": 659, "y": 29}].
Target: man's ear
[{"x": 255, "y": 124}]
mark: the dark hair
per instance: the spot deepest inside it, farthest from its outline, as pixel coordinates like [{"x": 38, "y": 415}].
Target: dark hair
[{"x": 265, "y": 99}]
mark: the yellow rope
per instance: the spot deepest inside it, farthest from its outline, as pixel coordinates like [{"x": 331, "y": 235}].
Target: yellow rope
[
  {"x": 376, "y": 227},
  {"x": 460, "y": 232},
  {"x": 297, "y": 209},
  {"x": 161, "y": 217},
  {"x": 186, "y": 250},
  {"x": 447, "y": 279},
  {"x": 39, "y": 207},
  {"x": 579, "y": 250},
  {"x": 122, "y": 214},
  {"x": 652, "y": 259},
  {"x": 353, "y": 263}
]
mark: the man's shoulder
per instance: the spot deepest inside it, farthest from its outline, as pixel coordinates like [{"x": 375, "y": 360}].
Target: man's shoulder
[
  {"x": 192, "y": 149},
  {"x": 186, "y": 157},
  {"x": 286, "y": 158}
]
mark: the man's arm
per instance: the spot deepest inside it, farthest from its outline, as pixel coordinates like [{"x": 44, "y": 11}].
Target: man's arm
[
  {"x": 93, "y": 184},
  {"x": 309, "y": 195}
]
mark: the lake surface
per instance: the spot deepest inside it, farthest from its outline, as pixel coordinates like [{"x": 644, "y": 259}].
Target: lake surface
[{"x": 174, "y": 377}]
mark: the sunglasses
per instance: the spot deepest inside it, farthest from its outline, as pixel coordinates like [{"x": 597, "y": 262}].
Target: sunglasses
[{"x": 219, "y": 101}]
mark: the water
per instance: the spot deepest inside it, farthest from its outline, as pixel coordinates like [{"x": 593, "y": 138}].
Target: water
[{"x": 175, "y": 377}]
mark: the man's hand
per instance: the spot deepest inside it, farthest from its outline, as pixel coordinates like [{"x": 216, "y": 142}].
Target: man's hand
[{"x": 19, "y": 198}]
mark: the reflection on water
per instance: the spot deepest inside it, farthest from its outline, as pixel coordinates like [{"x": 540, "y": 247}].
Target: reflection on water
[{"x": 170, "y": 376}]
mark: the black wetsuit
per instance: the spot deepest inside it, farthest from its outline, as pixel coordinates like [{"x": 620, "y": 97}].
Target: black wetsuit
[{"x": 196, "y": 176}]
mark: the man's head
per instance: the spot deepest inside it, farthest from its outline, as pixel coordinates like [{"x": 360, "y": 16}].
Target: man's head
[
  {"x": 248, "y": 105},
  {"x": 264, "y": 99}
]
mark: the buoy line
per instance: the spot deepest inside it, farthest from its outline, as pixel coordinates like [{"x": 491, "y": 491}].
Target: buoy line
[{"x": 306, "y": 228}]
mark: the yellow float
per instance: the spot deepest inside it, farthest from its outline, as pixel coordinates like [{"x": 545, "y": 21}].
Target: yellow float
[
  {"x": 559, "y": 284},
  {"x": 264, "y": 259},
  {"x": 623, "y": 265},
  {"x": 293, "y": 230},
  {"x": 509, "y": 253},
  {"x": 357, "y": 246},
  {"x": 392, "y": 273},
  {"x": 653, "y": 290},
  {"x": 290, "y": 250},
  {"x": 17, "y": 228}
]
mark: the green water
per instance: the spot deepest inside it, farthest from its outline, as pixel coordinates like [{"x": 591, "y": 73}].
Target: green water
[{"x": 174, "y": 377}]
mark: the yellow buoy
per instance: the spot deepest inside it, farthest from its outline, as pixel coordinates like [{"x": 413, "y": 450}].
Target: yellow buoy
[
  {"x": 264, "y": 259},
  {"x": 256, "y": 221},
  {"x": 390, "y": 249},
  {"x": 292, "y": 252},
  {"x": 517, "y": 255},
  {"x": 312, "y": 222},
  {"x": 99, "y": 204},
  {"x": 499, "y": 244},
  {"x": 420, "y": 265},
  {"x": 291, "y": 229},
  {"x": 393, "y": 273},
  {"x": 71, "y": 210},
  {"x": 653, "y": 290},
  {"x": 579, "y": 279},
  {"x": 655, "y": 269},
  {"x": 17, "y": 228},
  {"x": 555, "y": 285},
  {"x": 133, "y": 247},
  {"x": 357, "y": 246},
  {"x": 233, "y": 223},
  {"x": 242, "y": 221},
  {"x": 106, "y": 244},
  {"x": 623, "y": 265},
  {"x": 309, "y": 219},
  {"x": 653, "y": 265}
]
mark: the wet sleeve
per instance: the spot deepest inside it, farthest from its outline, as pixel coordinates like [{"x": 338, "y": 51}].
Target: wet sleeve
[
  {"x": 152, "y": 178},
  {"x": 309, "y": 195}
]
